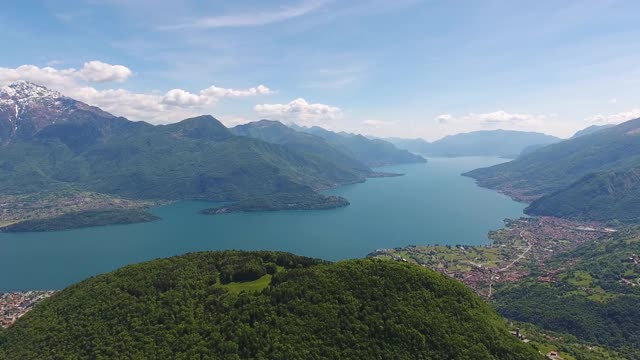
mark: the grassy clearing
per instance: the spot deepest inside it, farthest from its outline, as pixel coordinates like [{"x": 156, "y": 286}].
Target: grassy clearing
[
  {"x": 255, "y": 285},
  {"x": 580, "y": 278}
]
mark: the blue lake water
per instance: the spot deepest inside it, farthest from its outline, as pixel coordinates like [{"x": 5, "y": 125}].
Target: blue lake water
[{"x": 431, "y": 204}]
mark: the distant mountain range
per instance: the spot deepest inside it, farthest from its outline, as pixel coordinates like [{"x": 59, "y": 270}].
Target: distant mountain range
[
  {"x": 50, "y": 143},
  {"x": 501, "y": 143},
  {"x": 592, "y": 176},
  {"x": 313, "y": 146},
  {"x": 372, "y": 152}
]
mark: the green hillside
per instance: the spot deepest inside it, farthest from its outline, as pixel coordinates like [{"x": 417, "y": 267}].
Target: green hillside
[
  {"x": 606, "y": 196},
  {"x": 264, "y": 305},
  {"x": 589, "y": 176},
  {"x": 594, "y": 296},
  {"x": 195, "y": 158},
  {"x": 312, "y": 146}
]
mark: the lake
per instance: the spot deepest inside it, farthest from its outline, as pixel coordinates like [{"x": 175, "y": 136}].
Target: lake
[{"x": 431, "y": 204}]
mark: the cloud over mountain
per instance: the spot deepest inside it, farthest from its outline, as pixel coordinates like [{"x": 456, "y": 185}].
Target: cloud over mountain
[
  {"x": 154, "y": 107},
  {"x": 614, "y": 118},
  {"x": 300, "y": 111},
  {"x": 499, "y": 119}
]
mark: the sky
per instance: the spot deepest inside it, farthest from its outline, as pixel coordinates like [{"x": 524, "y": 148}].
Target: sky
[{"x": 402, "y": 68}]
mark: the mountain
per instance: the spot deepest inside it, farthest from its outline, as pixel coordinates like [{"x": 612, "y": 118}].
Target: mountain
[
  {"x": 416, "y": 146},
  {"x": 605, "y": 195},
  {"x": 313, "y": 146},
  {"x": 588, "y": 177},
  {"x": 264, "y": 305},
  {"x": 531, "y": 148},
  {"x": 591, "y": 129},
  {"x": 51, "y": 143},
  {"x": 27, "y": 108},
  {"x": 502, "y": 143},
  {"x": 372, "y": 152}
]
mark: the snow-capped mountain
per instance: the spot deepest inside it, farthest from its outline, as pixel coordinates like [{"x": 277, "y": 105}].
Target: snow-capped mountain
[{"x": 27, "y": 108}]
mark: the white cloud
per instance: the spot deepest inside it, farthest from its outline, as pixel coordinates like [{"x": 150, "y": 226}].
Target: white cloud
[
  {"x": 300, "y": 111},
  {"x": 154, "y": 107},
  {"x": 179, "y": 97},
  {"x": 222, "y": 92},
  {"x": 93, "y": 71},
  {"x": 496, "y": 119},
  {"x": 250, "y": 19},
  {"x": 614, "y": 118},
  {"x": 98, "y": 71},
  {"x": 444, "y": 118},
  {"x": 46, "y": 76},
  {"x": 500, "y": 119}
]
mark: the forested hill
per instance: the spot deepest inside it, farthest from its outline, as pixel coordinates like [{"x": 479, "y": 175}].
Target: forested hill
[
  {"x": 594, "y": 171},
  {"x": 608, "y": 195},
  {"x": 313, "y": 146},
  {"x": 264, "y": 305}
]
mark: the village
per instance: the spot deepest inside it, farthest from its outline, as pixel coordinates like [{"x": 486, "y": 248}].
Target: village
[
  {"x": 16, "y": 208},
  {"x": 522, "y": 245},
  {"x": 13, "y": 305}
]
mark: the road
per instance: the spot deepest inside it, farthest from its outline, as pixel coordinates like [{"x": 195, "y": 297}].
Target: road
[
  {"x": 521, "y": 255},
  {"x": 529, "y": 246}
]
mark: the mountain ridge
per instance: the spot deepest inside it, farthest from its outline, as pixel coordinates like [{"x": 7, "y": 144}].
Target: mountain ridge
[
  {"x": 65, "y": 145},
  {"x": 371, "y": 152},
  {"x": 501, "y": 143},
  {"x": 575, "y": 170}
]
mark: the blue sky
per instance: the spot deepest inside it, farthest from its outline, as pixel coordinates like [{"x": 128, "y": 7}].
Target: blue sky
[{"x": 406, "y": 68}]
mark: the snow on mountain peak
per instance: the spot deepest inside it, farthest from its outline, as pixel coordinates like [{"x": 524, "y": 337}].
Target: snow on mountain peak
[{"x": 22, "y": 90}]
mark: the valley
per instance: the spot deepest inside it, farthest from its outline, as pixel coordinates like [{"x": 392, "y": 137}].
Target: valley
[
  {"x": 519, "y": 249},
  {"x": 54, "y": 260},
  {"x": 320, "y": 179},
  {"x": 575, "y": 278}
]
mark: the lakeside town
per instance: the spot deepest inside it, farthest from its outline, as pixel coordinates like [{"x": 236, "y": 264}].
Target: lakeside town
[
  {"x": 17, "y": 208},
  {"x": 14, "y": 305},
  {"x": 522, "y": 245}
]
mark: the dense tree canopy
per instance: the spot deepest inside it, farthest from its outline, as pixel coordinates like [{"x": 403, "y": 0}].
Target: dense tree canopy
[{"x": 181, "y": 308}]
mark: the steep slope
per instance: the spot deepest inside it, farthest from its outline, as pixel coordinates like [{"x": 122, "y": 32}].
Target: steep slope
[
  {"x": 27, "y": 108},
  {"x": 196, "y": 158},
  {"x": 313, "y": 146},
  {"x": 557, "y": 166},
  {"x": 591, "y": 129},
  {"x": 372, "y": 152},
  {"x": 502, "y": 143},
  {"x": 604, "y": 196},
  {"x": 264, "y": 305}
]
